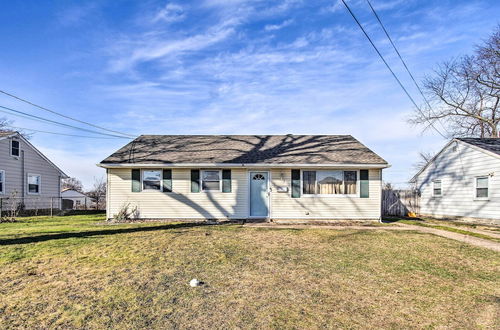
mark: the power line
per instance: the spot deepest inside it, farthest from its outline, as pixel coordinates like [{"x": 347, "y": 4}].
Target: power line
[
  {"x": 63, "y": 115},
  {"x": 388, "y": 67},
  {"x": 402, "y": 61},
  {"x": 57, "y": 133},
  {"x": 37, "y": 118}
]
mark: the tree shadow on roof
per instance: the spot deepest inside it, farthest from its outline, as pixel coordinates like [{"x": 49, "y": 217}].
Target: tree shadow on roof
[{"x": 240, "y": 149}]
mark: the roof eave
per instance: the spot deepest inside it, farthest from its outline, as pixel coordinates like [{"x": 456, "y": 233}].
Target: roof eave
[
  {"x": 414, "y": 178},
  {"x": 61, "y": 172},
  {"x": 253, "y": 165}
]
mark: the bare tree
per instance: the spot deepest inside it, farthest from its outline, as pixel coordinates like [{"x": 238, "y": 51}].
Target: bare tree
[
  {"x": 4, "y": 124},
  {"x": 72, "y": 183},
  {"x": 465, "y": 93},
  {"x": 424, "y": 158},
  {"x": 98, "y": 193}
]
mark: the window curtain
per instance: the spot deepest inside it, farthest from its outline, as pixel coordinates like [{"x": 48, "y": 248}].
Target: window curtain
[
  {"x": 350, "y": 178},
  {"x": 309, "y": 182},
  {"x": 330, "y": 182}
]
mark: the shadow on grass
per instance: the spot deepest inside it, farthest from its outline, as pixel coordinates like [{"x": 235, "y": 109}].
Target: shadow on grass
[
  {"x": 83, "y": 234},
  {"x": 390, "y": 219}
]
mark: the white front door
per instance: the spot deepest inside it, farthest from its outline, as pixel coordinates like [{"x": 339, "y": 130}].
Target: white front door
[{"x": 259, "y": 195}]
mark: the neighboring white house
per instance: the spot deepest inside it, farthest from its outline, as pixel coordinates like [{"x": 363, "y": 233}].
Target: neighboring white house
[
  {"x": 27, "y": 174},
  {"x": 462, "y": 181},
  {"x": 245, "y": 176},
  {"x": 73, "y": 199}
]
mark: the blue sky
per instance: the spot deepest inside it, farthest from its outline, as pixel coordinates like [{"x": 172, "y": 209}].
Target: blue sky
[{"x": 228, "y": 67}]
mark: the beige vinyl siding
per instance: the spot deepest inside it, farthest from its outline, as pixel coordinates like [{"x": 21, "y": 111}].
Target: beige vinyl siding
[
  {"x": 457, "y": 171},
  {"x": 183, "y": 204},
  {"x": 324, "y": 207},
  {"x": 33, "y": 164}
]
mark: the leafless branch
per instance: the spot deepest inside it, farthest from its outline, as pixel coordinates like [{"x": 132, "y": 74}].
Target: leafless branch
[{"x": 465, "y": 93}]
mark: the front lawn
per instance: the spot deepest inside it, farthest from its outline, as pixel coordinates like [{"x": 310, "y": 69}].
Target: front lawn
[{"x": 77, "y": 272}]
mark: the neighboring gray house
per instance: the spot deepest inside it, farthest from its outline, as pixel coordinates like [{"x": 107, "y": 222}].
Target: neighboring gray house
[
  {"x": 462, "y": 181},
  {"x": 27, "y": 174},
  {"x": 278, "y": 177}
]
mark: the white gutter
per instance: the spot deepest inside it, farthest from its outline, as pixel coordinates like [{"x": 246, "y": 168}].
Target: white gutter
[{"x": 200, "y": 165}]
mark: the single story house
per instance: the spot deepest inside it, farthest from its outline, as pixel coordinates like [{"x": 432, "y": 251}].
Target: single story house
[
  {"x": 76, "y": 200},
  {"x": 26, "y": 175},
  {"x": 269, "y": 177},
  {"x": 462, "y": 181}
]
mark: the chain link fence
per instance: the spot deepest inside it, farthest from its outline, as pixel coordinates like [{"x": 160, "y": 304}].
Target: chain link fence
[{"x": 32, "y": 206}]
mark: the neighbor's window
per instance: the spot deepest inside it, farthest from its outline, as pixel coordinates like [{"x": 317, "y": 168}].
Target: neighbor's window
[
  {"x": 2, "y": 181},
  {"x": 436, "y": 188},
  {"x": 482, "y": 187},
  {"x": 329, "y": 182},
  {"x": 151, "y": 179},
  {"x": 34, "y": 183},
  {"x": 14, "y": 148},
  {"x": 210, "y": 180}
]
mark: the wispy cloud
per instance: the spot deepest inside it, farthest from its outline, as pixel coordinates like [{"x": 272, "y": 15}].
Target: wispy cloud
[
  {"x": 170, "y": 13},
  {"x": 244, "y": 66},
  {"x": 150, "y": 47},
  {"x": 274, "y": 27}
]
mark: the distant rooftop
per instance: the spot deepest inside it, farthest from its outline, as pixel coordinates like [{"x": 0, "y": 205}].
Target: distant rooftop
[{"x": 6, "y": 133}]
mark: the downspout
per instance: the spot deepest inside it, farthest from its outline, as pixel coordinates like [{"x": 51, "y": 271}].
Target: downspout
[
  {"x": 108, "y": 196},
  {"x": 23, "y": 180},
  {"x": 59, "y": 201},
  {"x": 380, "y": 198}
]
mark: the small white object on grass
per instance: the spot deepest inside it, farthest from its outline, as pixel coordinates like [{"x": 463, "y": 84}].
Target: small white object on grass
[{"x": 194, "y": 283}]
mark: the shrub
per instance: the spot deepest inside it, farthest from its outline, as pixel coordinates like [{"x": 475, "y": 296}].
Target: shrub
[{"x": 125, "y": 213}]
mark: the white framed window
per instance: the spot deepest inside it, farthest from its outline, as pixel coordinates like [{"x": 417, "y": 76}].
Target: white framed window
[
  {"x": 330, "y": 182},
  {"x": 15, "y": 148},
  {"x": 481, "y": 187},
  {"x": 34, "y": 184},
  {"x": 151, "y": 179},
  {"x": 211, "y": 180},
  {"x": 2, "y": 182},
  {"x": 436, "y": 188}
]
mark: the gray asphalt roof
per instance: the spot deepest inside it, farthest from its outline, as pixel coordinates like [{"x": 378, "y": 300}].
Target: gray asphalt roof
[
  {"x": 244, "y": 149},
  {"x": 490, "y": 144}
]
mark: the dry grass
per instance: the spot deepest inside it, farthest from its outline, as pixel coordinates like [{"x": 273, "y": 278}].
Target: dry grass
[
  {"x": 70, "y": 273},
  {"x": 445, "y": 225}
]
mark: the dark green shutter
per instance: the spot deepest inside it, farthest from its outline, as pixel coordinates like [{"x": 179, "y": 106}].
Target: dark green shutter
[
  {"x": 167, "y": 180},
  {"x": 295, "y": 183},
  {"x": 136, "y": 180},
  {"x": 195, "y": 181},
  {"x": 226, "y": 181},
  {"x": 364, "y": 184}
]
